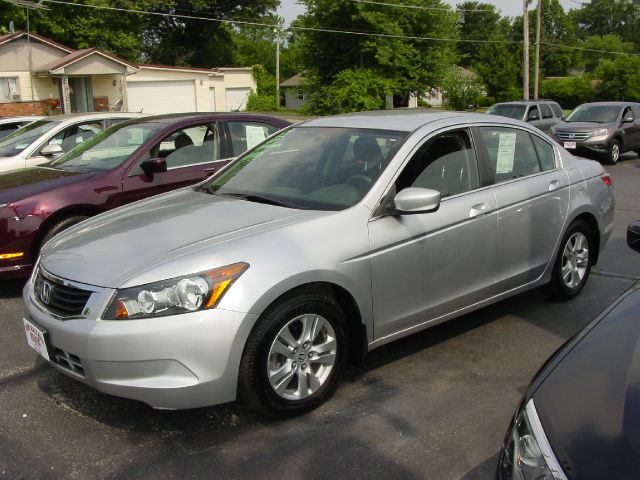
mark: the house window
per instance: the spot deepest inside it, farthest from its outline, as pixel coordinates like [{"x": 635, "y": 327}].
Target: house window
[
  {"x": 9, "y": 91},
  {"x": 300, "y": 95}
]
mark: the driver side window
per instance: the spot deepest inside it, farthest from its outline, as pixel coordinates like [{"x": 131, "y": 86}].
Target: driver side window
[{"x": 447, "y": 163}]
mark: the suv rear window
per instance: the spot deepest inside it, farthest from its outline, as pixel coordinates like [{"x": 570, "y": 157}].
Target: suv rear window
[
  {"x": 546, "y": 111},
  {"x": 556, "y": 109}
]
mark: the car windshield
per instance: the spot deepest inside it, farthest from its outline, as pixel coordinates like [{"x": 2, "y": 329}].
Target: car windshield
[
  {"x": 507, "y": 110},
  {"x": 108, "y": 149},
  {"x": 20, "y": 139},
  {"x": 311, "y": 168},
  {"x": 594, "y": 113}
]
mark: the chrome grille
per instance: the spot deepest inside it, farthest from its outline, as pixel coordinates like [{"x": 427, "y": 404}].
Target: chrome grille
[
  {"x": 60, "y": 299},
  {"x": 572, "y": 136},
  {"x": 68, "y": 361}
]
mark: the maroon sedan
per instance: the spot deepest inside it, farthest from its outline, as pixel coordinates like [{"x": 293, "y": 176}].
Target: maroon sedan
[{"x": 130, "y": 161}]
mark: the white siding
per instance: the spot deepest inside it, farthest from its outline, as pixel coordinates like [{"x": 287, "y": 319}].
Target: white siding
[{"x": 162, "y": 97}]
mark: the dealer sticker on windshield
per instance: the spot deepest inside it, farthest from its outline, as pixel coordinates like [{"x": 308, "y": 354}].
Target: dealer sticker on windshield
[
  {"x": 35, "y": 338},
  {"x": 569, "y": 145}
]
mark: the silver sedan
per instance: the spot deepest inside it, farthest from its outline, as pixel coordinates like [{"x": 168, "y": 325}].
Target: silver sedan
[{"x": 323, "y": 242}]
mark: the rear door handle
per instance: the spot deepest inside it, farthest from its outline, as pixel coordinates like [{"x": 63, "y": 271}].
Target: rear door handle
[
  {"x": 479, "y": 209},
  {"x": 554, "y": 185}
]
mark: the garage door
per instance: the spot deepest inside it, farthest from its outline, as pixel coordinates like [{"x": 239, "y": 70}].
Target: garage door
[
  {"x": 237, "y": 98},
  {"x": 162, "y": 97}
]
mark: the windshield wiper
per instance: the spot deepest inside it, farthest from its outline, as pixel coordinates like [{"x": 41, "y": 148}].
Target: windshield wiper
[{"x": 251, "y": 197}]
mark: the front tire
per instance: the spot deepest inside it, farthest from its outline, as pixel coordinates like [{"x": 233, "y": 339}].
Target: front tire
[
  {"x": 59, "y": 226},
  {"x": 573, "y": 263},
  {"x": 614, "y": 152},
  {"x": 294, "y": 355}
]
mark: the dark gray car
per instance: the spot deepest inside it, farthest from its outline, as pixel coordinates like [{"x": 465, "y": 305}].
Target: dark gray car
[
  {"x": 542, "y": 114},
  {"x": 602, "y": 130}
]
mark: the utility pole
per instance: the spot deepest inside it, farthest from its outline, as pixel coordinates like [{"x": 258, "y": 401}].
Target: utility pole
[
  {"x": 525, "y": 80},
  {"x": 277, "y": 30},
  {"x": 538, "y": 26}
]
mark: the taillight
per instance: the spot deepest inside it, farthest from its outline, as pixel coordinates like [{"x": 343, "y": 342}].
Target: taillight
[{"x": 607, "y": 180}]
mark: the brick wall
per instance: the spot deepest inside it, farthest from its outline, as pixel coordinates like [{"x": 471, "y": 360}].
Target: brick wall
[{"x": 26, "y": 108}]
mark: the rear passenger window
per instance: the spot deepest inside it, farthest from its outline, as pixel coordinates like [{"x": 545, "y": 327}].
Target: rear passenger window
[
  {"x": 546, "y": 111},
  {"x": 511, "y": 153},
  {"x": 546, "y": 153},
  {"x": 446, "y": 163},
  {"x": 246, "y": 135},
  {"x": 557, "y": 109}
]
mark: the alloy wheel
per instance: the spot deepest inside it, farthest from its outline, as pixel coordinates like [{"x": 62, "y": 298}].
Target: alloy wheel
[
  {"x": 575, "y": 260},
  {"x": 302, "y": 357}
]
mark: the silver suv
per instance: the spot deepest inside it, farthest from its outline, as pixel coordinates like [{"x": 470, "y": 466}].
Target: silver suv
[
  {"x": 540, "y": 113},
  {"x": 602, "y": 130}
]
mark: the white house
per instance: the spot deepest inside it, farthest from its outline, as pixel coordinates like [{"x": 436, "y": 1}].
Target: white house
[{"x": 39, "y": 75}]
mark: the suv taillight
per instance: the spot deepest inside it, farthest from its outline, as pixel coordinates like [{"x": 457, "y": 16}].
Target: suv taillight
[{"x": 607, "y": 180}]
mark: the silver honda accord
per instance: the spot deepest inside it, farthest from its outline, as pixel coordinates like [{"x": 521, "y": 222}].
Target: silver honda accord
[{"x": 325, "y": 241}]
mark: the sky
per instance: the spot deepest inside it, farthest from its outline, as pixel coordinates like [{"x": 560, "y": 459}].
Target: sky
[{"x": 290, "y": 9}]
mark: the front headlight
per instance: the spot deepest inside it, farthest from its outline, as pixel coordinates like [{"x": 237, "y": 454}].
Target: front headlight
[
  {"x": 528, "y": 455},
  {"x": 200, "y": 291},
  {"x": 601, "y": 132}
]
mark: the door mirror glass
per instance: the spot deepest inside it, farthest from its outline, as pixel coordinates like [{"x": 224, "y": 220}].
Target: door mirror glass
[
  {"x": 154, "y": 165},
  {"x": 416, "y": 200},
  {"x": 51, "y": 149}
]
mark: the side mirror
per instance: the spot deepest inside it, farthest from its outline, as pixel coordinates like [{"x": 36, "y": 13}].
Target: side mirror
[
  {"x": 533, "y": 115},
  {"x": 154, "y": 165},
  {"x": 416, "y": 200},
  {"x": 633, "y": 235},
  {"x": 628, "y": 119},
  {"x": 51, "y": 149}
]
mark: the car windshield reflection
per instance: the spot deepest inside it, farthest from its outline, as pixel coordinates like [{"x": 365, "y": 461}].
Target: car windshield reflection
[{"x": 314, "y": 168}]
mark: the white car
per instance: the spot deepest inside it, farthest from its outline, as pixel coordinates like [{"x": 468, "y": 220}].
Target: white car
[
  {"x": 8, "y": 125},
  {"x": 41, "y": 141}
]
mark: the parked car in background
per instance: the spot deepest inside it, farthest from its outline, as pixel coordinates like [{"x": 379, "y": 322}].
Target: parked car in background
[
  {"x": 602, "y": 130},
  {"x": 580, "y": 417},
  {"x": 539, "y": 113},
  {"x": 8, "y": 125},
  {"x": 127, "y": 162},
  {"x": 330, "y": 239},
  {"x": 46, "y": 139}
]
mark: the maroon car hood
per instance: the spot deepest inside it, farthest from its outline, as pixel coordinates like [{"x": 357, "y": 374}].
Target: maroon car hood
[{"x": 19, "y": 184}]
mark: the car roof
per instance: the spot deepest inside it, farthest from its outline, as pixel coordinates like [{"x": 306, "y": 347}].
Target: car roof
[
  {"x": 21, "y": 118},
  {"x": 174, "y": 118},
  {"x": 74, "y": 117},
  {"x": 527, "y": 102},
  {"x": 402, "y": 120},
  {"x": 610, "y": 104}
]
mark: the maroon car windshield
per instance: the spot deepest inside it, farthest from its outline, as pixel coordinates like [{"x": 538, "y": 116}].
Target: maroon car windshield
[{"x": 108, "y": 149}]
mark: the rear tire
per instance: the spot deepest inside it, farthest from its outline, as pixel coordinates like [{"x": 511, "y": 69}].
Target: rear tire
[
  {"x": 294, "y": 356},
  {"x": 573, "y": 262},
  {"x": 59, "y": 226}
]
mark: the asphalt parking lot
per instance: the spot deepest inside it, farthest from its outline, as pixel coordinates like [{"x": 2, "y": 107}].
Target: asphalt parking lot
[{"x": 434, "y": 405}]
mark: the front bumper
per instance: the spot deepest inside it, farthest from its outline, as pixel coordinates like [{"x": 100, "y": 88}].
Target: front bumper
[
  {"x": 175, "y": 362},
  {"x": 590, "y": 147}
]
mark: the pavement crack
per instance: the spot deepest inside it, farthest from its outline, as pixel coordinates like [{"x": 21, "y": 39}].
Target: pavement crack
[
  {"x": 615, "y": 275},
  {"x": 20, "y": 377}
]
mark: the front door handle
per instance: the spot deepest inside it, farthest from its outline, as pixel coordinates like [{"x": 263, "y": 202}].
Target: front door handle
[
  {"x": 479, "y": 209},
  {"x": 554, "y": 185}
]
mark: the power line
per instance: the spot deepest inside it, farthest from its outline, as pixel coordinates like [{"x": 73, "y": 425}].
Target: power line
[
  {"x": 420, "y": 7},
  {"x": 325, "y": 30}
]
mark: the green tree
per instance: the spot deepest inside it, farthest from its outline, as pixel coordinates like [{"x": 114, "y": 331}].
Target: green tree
[
  {"x": 607, "y": 43},
  {"x": 265, "y": 97},
  {"x": 568, "y": 92},
  {"x": 609, "y": 17},
  {"x": 462, "y": 89},
  {"x": 405, "y": 64},
  {"x": 354, "y": 90},
  {"x": 619, "y": 79},
  {"x": 195, "y": 42},
  {"x": 81, "y": 27}
]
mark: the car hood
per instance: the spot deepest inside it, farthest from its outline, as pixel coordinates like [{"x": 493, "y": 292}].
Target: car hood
[
  {"x": 19, "y": 184},
  {"x": 114, "y": 247},
  {"x": 581, "y": 125},
  {"x": 589, "y": 404}
]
